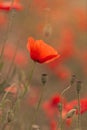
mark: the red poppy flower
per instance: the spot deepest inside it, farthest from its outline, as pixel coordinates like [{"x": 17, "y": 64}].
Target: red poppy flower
[
  {"x": 40, "y": 51},
  {"x": 53, "y": 125},
  {"x": 50, "y": 107},
  {"x": 74, "y": 103},
  {"x": 6, "y": 5}
]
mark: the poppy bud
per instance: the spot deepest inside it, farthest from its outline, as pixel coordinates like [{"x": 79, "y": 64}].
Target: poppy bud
[
  {"x": 60, "y": 107},
  {"x": 71, "y": 113},
  {"x": 73, "y": 79},
  {"x": 44, "y": 78}
]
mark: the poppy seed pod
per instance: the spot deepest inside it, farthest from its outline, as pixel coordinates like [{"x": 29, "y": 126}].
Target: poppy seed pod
[
  {"x": 60, "y": 107},
  {"x": 44, "y": 78},
  {"x": 73, "y": 79}
]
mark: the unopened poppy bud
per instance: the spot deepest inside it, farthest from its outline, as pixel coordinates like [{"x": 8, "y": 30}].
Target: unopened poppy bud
[
  {"x": 60, "y": 107},
  {"x": 44, "y": 78},
  {"x": 73, "y": 79},
  {"x": 78, "y": 87},
  {"x": 71, "y": 113}
]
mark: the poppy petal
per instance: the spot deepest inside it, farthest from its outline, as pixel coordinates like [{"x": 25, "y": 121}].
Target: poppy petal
[{"x": 40, "y": 51}]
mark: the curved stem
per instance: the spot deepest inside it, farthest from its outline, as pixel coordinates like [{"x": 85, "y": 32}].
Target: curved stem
[
  {"x": 79, "y": 121},
  {"x": 65, "y": 90},
  {"x": 4, "y": 97},
  {"x": 27, "y": 85}
]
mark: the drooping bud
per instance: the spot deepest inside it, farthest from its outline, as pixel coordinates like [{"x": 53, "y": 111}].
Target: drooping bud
[{"x": 70, "y": 113}]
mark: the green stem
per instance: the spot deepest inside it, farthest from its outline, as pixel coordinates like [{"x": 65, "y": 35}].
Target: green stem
[
  {"x": 60, "y": 116},
  {"x": 37, "y": 108},
  {"x": 27, "y": 85},
  {"x": 79, "y": 121},
  {"x": 61, "y": 120}
]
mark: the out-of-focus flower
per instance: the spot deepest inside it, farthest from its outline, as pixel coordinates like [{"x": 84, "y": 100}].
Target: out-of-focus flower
[
  {"x": 67, "y": 43},
  {"x": 3, "y": 19},
  {"x": 80, "y": 17},
  {"x": 51, "y": 107},
  {"x": 33, "y": 96},
  {"x": 9, "y": 51},
  {"x": 39, "y": 5},
  {"x": 63, "y": 72},
  {"x": 40, "y": 51},
  {"x": 67, "y": 50},
  {"x": 14, "y": 89},
  {"x": 74, "y": 103},
  {"x": 21, "y": 59},
  {"x": 6, "y": 5},
  {"x": 20, "y": 56},
  {"x": 68, "y": 110},
  {"x": 53, "y": 125}
]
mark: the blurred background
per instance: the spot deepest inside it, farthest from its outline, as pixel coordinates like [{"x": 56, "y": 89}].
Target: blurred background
[{"x": 59, "y": 23}]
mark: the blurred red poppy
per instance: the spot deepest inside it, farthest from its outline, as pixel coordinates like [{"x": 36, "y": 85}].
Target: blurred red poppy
[
  {"x": 3, "y": 19},
  {"x": 40, "y": 51},
  {"x": 6, "y": 5},
  {"x": 51, "y": 107},
  {"x": 39, "y": 5},
  {"x": 20, "y": 60},
  {"x": 53, "y": 125},
  {"x": 14, "y": 89},
  {"x": 33, "y": 96},
  {"x": 80, "y": 16},
  {"x": 74, "y": 103},
  {"x": 67, "y": 48}
]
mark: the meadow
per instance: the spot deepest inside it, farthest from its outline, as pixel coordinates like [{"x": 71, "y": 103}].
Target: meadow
[{"x": 43, "y": 64}]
